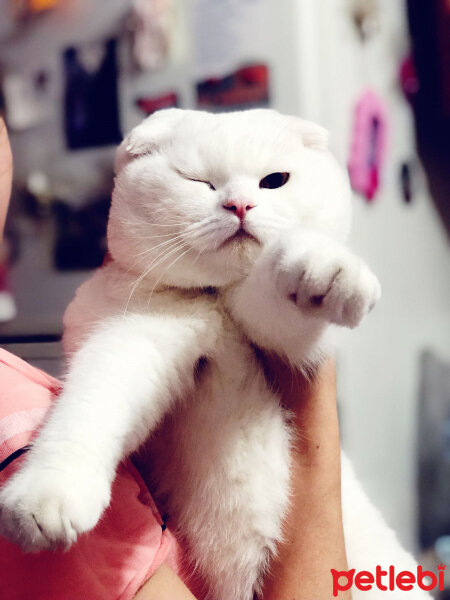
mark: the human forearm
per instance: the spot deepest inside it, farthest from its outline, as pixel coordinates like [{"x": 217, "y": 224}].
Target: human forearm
[
  {"x": 313, "y": 534},
  {"x": 164, "y": 585}
]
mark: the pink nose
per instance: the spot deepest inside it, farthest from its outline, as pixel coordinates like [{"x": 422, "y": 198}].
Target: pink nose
[{"x": 239, "y": 207}]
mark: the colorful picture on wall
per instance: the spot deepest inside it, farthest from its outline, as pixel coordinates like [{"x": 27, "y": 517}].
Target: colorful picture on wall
[
  {"x": 149, "y": 104},
  {"x": 248, "y": 87}
]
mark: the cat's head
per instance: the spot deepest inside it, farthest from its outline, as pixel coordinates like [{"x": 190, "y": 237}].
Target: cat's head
[{"x": 198, "y": 195}]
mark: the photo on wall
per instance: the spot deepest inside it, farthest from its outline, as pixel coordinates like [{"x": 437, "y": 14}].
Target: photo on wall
[{"x": 247, "y": 87}]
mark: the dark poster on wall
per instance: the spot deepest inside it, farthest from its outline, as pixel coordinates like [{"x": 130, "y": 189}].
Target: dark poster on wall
[{"x": 91, "y": 105}]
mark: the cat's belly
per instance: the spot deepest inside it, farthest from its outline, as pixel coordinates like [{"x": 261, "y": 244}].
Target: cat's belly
[{"x": 220, "y": 468}]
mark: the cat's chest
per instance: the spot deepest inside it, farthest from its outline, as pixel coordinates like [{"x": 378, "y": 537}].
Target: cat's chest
[
  {"x": 231, "y": 361},
  {"x": 229, "y": 414}
]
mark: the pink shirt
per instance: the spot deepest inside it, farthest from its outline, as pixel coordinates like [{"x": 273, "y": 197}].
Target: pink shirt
[{"x": 111, "y": 562}]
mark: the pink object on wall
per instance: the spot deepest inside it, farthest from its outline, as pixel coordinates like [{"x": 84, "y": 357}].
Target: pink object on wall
[{"x": 369, "y": 144}]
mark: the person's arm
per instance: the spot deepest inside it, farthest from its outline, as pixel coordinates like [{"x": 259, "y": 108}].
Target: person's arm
[
  {"x": 313, "y": 532},
  {"x": 5, "y": 174},
  {"x": 164, "y": 585}
]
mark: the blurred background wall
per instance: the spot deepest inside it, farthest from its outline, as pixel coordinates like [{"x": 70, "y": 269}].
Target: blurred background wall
[{"x": 332, "y": 61}]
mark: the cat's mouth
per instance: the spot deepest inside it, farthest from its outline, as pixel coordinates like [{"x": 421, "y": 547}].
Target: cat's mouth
[{"x": 239, "y": 237}]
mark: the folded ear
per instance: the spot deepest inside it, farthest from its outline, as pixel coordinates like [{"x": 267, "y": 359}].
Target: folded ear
[
  {"x": 313, "y": 136},
  {"x": 147, "y": 136}
]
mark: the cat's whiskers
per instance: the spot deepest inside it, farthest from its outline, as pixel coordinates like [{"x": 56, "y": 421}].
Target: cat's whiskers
[
  {"x": 182, "y": 236},
  {"x": 165, "y": 272},
  {"x": 189, "y": 232},
  {"x": 190, "y": 235},
  {"x": 173, "y": 250},
  {"x": 153, "y": 248},
  {"x": 166, "y": 252},
  {"x": 152, "y": 237},
  {"x": 142, "y": 255},
  {"x": 206, "y": 228},
  {"x": 198, "y": 256},
  {"x": 141, "y": 222},
  {"x": 210, "y": 232},
  {"x": 174, "y": 244},
  {"x": 207, "y": 220}
]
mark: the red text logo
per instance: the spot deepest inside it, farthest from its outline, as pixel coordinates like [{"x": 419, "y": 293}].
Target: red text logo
[{"x": 388, "y": 579}]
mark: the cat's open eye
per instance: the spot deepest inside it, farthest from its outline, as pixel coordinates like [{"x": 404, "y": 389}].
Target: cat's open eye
[
  {"x": 208, "y": 183},
  {"x": 274, "y": 180}
]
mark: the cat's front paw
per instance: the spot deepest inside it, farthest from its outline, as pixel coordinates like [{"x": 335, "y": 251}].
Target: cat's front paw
[
  {"x": 43, "y": 508},
  {"x": 326, "y": 280}
]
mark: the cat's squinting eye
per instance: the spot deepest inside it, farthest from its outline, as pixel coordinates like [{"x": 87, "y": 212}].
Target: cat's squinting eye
[
  {"x": 274, "y": 180},
  {"x": 208, "y": 183}
]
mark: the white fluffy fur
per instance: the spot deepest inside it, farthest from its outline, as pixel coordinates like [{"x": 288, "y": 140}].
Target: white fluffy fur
[{"x": 179, "y": 289}]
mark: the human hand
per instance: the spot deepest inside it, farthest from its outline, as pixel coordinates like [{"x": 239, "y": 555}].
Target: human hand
[{"x": 6, "y": 169}]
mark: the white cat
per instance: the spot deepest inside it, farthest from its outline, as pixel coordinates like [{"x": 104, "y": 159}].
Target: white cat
[{"x": 226, "y": 233}]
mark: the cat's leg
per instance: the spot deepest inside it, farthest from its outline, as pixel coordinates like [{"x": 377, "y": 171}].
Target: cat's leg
[
  {"x": 120, "y": 383},
  {"x": 297, "y": 287},
  {"x": 370, "y": 542}
]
